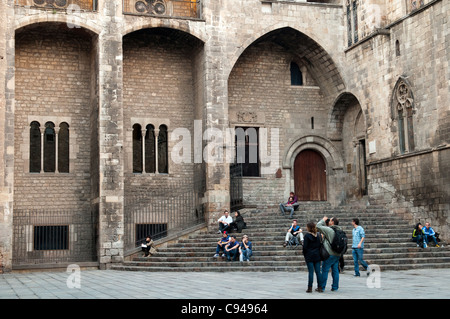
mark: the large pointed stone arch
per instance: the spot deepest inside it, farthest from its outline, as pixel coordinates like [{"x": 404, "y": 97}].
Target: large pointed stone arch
[{"x": 307, "y": 47}]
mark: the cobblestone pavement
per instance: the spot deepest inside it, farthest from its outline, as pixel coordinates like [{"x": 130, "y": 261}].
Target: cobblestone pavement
[{"x": 108, "y": 284}]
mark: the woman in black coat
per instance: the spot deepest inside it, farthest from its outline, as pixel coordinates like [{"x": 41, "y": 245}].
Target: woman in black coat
[
  {"x": 238, "y": 222},
  {"x": 311, "y": 252}
]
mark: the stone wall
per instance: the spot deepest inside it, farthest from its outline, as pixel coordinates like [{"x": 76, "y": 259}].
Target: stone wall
[
  {"x": 53, "y": 84},
  {"x": 235, "y": 58},
  {"x": 413, "y": 47}
]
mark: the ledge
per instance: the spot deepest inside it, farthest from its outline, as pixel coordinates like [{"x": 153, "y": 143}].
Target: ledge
[
  {"x": 407, "y": 155},
  {"x": 302, "y": 3},
  {"x": 374, "y": 34}
]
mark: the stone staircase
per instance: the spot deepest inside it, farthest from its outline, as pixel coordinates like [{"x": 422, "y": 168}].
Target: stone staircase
[{"x": 387, "y": 244}]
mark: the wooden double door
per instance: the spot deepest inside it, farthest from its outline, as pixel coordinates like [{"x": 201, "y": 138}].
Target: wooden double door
[{"x": 310, "y": 176}]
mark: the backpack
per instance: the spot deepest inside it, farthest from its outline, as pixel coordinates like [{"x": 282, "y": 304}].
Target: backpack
[{"x": 340, "y": 240}]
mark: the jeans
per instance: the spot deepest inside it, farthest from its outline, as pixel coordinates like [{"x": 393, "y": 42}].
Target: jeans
[
  {"x": 223, "y": 227},
  {"x": 287, "y": 208},
  {"x": 314, "y": 268},
  {"x": 246, "y": 254},
  {"x": 331, "y": 263},
  {"x": 232, "y": 254},
  {"x": 357, "y": 254},
  {"x": 419, "y": 239},
  {"x": 427, "y": 239},
  {"x": 219, "y": 248}
]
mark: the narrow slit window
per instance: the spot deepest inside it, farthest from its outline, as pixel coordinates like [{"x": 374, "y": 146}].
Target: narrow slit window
[
  {"x": 63, "y": 148},
  {"x": 296, "y": 74},
  {"x": 163, "y": 165},
  {"x": 49, "y": 147},
  {"x": 137, "y": 149},
  {"x": 35, "y": 147},
  {"x": 150, "y": 154}
]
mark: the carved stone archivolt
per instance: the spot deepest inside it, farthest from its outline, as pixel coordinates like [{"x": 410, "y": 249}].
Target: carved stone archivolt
[{"x": 403, "y": 96}]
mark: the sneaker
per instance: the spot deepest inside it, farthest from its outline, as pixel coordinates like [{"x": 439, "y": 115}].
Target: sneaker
[
  {"x": 285, "y": 244},
  {"x": 216, "y": 255},
  {"x": 437, "y": 246}
]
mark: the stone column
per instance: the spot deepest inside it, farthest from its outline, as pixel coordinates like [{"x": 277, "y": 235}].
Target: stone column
[
  {"x": 111, "y": 136},
  {"x": 215, "y": 114},
  {"x": 7, "y": 88}
]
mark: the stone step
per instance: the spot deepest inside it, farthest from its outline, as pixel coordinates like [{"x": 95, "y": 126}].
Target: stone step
[
  {"x": 296, "y": 257},
  {"x": 247, "y": 266},
  {"x": 388, "y": 243}
]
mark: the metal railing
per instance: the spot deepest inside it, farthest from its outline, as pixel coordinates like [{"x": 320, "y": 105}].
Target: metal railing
[
  {"x": 163, "y": 211},
  {"x": 73, "y": 5},
  {"x": 49, "y": 237},
  {"x": 164, "y": 8}
]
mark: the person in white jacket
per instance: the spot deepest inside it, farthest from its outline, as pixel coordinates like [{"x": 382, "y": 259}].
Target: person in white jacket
[{"x": 225, "y": 221}]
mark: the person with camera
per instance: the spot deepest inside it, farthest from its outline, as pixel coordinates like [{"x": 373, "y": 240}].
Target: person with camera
[{"x": 332, "y": 262}]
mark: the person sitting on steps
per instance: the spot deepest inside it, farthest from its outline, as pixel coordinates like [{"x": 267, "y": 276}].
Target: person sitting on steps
[
  {"x": 294, "y": 231},
  {"x": 290, "y": 205},
  {"x": 222, "y": 243}
]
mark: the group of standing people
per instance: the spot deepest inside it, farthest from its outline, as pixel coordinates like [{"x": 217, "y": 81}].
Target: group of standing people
[{"x": 320, "y": 237}]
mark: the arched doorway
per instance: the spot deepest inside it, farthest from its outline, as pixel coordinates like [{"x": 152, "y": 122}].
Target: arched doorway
[{"x": 310, "y": 177}]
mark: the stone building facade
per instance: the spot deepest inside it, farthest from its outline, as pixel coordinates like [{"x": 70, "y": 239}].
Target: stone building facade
[{"x": 349, "y": 99}]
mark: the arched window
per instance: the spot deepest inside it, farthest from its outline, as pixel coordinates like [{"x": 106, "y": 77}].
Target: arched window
[
  {"x": 137, "y": 149},
  {"x": 163, "y": 165},
  {"x": 35, "y": 147},
  {"x": 49, "y": 147},
  {"x": 63, "y": 148},
  {"x": 296, "y": 74},
  {"x": 402, "y": 112},
  {"x": 150, "y": 154}
]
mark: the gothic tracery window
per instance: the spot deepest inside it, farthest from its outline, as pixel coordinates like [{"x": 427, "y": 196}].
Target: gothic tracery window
[{"x": 403, "y": 103}]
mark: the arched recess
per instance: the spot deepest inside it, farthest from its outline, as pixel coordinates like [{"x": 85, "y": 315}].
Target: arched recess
[
  {"x": 72, "y": 22},
  {"x": 163, "y": 83},
  {"x": 306, "y": 51},
  {"x": 328, "y": 152},
  {"x": 56, "y": 80},
  {"x": 347, "y": 128}
]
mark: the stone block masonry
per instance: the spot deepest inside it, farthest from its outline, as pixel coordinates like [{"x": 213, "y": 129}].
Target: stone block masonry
[{"x": 230, "y": 67}]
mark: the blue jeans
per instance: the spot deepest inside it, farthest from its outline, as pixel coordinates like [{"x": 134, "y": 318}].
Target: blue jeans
[
  {"x": 357, "y": 254},
  {"x": 427, "y": 239},
  {"x": 419, "y": 239},
  {"x": 232, "y": 254},
  {"x": 287, "y": 208},
  {"x": 246, "y": 254},
  {"x": 331, "y": 263},
  {"x": 314, "y": 268},
  {"x": 219, "y": 248}
]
